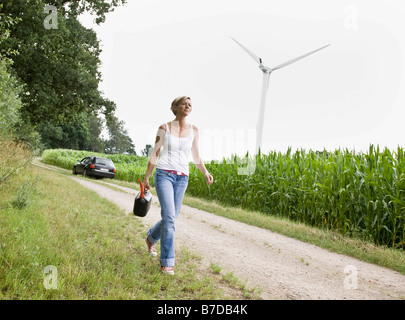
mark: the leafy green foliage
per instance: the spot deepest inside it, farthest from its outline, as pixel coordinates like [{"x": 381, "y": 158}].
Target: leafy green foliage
[
  {"x": 97, "y": 7},
  {"x": 10, "y": 89},
  {"x": 84, "y": 134},
  {"x": 10, "y": 103},
  {"x": 119, "y": 141},
  {"x": 24, "y": 195},
  {"x": 71, "y": 135},
  {"x": 58, "y": 67},
  {"x": 58, "y": 72}
]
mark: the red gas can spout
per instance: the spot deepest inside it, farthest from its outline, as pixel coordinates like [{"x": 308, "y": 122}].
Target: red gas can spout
[{"x": 142, "y": 189}]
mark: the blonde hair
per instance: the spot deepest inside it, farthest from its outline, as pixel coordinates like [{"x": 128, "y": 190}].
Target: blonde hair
[{"x": 178, "y": 101}]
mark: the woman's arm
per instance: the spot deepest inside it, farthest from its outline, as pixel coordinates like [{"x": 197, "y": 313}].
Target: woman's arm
[
  {"x": 195, "y": 151},
  {"x": 154, "y": 155}
]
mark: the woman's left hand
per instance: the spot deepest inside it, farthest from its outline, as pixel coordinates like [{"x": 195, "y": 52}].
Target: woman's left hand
[{"x": 209, "y": 178}]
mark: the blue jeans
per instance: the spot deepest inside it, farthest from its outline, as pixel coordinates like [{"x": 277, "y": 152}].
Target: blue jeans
[{"x": 170, "y": 189}]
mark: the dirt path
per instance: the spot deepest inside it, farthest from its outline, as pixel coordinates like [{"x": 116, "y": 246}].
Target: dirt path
[{"x": 284, "y": 268}]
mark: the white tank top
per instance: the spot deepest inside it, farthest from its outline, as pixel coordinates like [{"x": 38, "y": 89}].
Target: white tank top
[{"x": 175, "y": 152}]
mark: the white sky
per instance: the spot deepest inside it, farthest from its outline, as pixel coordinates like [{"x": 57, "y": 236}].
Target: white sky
[{"x": 347, "y": 95}]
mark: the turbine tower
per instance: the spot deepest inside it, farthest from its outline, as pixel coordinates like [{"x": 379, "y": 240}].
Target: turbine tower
[{"x": 266, "y": 76}]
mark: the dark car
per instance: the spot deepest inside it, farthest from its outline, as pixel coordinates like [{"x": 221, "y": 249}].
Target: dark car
[{"x": 95, "y": 167}]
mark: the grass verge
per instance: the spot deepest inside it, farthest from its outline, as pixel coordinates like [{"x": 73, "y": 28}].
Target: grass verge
[{"x": 91, "y": 247}]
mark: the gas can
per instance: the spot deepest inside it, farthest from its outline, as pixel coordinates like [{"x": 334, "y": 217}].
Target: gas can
[{"x": 142, "y": 202}]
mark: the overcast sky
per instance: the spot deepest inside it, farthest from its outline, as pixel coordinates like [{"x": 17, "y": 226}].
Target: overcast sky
[{"x": 347, "y": 95}]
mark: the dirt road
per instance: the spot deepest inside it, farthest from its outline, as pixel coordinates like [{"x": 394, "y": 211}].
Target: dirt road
[{"x": 282, "y": 267}]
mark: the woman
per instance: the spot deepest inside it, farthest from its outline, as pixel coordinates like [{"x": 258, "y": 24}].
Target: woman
[{"x": 178, "y": 138}]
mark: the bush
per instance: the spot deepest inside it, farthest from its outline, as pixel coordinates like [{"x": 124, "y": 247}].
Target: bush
[
  {"x": 24, "y": 194},
  {"x": 10, "y": 103}
]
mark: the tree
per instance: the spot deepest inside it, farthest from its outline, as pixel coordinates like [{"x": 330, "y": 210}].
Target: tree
[
  {"x": 67, "y": 136},
  {"x": 96, "y": 143},
  {"x": 11, "y": 122},
  {"x": 58, "y": 70},
  {"x": 147, "y": 150},
  {"x": 10, "y": 103},
  {"x": 10, "y": 89},
  {"x": 98, "y": 7},
  {"x": 119, "y": 141},
  {"x": 58, "y": 67},
  {"x": 84, "y": 134}
]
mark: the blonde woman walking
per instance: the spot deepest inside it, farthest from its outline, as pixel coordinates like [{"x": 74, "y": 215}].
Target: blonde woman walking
[{"x": 178, "y": 138}]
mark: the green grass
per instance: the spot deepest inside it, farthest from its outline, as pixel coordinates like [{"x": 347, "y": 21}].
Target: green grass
[{"x": 98, "y": 251}]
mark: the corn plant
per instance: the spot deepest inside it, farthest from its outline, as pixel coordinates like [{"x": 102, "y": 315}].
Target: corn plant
[{"x": 355, "y": 194}]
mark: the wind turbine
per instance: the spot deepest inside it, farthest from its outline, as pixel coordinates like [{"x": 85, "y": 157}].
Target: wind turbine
[{"x": 266, "y": 76}]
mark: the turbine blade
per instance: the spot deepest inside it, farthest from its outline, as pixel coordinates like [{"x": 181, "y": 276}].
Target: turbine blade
[
  {"x": 298, "y": 58},
  {"x": 255, "y": 57}
]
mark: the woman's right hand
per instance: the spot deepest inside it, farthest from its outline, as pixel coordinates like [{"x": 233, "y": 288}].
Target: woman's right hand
[{"x": 146, "y": 184}]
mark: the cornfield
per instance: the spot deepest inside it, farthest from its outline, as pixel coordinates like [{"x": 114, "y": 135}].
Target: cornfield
[{"x": 356, "y": 194}]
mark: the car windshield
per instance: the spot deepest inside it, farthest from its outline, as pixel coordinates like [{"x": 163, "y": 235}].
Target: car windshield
[{"x": 103, "y": 161}]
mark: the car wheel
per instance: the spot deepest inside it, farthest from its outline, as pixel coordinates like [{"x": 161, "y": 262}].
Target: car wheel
[{"x": 74, "y": 170}]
